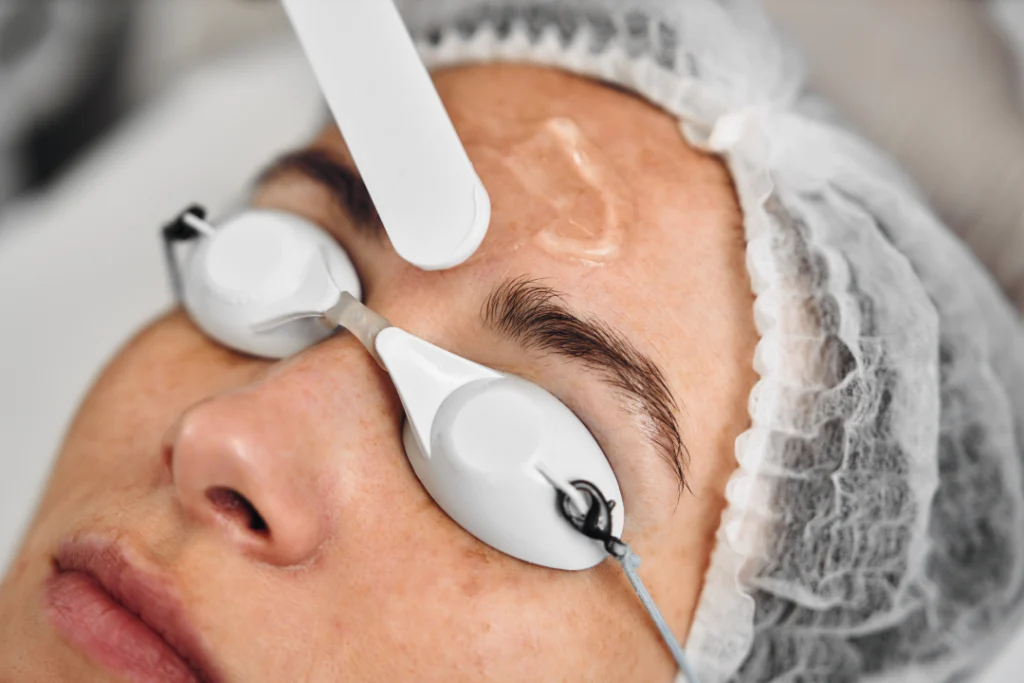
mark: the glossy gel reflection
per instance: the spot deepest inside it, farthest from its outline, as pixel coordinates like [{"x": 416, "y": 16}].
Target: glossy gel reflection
[{"x": 590, "y": 201}]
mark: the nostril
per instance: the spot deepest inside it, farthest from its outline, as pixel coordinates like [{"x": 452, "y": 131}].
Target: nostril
[{"x": 234, "y": 505}]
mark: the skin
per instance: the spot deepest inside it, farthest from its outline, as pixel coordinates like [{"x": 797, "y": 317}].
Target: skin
[{"x": 362, "y": 577}]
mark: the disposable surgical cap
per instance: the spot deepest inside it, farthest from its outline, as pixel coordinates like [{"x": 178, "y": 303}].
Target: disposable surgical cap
[{"x": 873, "y": 527}]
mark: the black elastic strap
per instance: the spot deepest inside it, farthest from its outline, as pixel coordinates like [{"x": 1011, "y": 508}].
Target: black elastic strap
[{"x": 179, "y": 231}]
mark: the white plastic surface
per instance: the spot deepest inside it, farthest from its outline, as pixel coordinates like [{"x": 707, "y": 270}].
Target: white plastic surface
[
  {"x": 424, "y": 376},
  {"x": 430, "y": 199},
  {"x": 486, "y": 443},
  {"x": 260, "y": 266},
  {"x": 478, "y": 440}
]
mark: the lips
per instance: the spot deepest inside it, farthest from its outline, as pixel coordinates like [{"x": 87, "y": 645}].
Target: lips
[{"x": 123, "y": 618}]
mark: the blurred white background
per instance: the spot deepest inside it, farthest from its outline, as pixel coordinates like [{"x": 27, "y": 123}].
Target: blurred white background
[{"x": 190, "y": 97}]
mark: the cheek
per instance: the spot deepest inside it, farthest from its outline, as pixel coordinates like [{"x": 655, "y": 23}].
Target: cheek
[
  {"x": 114, "y": 440},
  {"x": 440, "y": 605}
]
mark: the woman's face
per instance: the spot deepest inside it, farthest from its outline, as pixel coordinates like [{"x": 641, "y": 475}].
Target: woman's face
[{"x": 263, "y": 517}]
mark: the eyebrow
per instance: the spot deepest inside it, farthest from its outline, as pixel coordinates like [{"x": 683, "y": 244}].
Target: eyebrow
[
  {"x": 536, "y": 317},
  {"x": 346, "y": 187}
]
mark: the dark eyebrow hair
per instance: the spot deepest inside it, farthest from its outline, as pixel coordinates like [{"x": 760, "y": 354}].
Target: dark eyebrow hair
[
  {"x": 343, "y": 183},
  {"x": 535, "y": 316}
]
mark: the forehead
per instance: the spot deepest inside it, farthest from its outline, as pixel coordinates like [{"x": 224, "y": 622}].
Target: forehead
[
  {"x": 596, "y": 191},
  {"x": 605, "y": 175}
]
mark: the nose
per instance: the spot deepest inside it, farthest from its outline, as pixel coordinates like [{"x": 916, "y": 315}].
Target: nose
[
  {"x": 232, "y": 469},
  {"x": 264, "y": 463}
]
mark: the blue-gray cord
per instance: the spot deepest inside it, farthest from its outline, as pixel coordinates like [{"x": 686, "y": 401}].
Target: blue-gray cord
[
  {"x": 630, "y": 561},
  {"x": 596, "y": 523}
]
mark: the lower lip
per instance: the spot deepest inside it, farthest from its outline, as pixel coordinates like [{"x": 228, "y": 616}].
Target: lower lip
[{"x": 111, "y": 636}]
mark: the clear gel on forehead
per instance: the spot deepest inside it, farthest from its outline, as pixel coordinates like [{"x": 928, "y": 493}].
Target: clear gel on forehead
[{"x": 567, "y": 170}]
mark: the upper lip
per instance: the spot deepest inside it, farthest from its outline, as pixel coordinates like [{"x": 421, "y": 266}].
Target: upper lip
[{"x": 142, "y": 591}]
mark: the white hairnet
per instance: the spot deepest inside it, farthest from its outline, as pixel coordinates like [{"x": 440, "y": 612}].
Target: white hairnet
[{"x": 873, "y": 526}]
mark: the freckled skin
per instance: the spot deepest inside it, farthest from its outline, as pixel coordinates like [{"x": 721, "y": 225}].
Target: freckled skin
[{"x": 362, "y": 578}]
